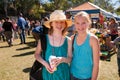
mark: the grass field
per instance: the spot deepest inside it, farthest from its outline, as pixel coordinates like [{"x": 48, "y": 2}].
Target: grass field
[{"x": 16, "y": 61}]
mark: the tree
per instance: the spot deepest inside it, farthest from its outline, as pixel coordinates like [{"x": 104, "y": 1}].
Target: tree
[
  {"x": 105, "y": 4},
  {"x": 78, "y": 2},
  {"x": 23, "y": 6},
  {"x": 118, "y": 9},
  {"x": 36, "y": 8},
  {"x": 3, "y": 8},
  {"x": 56, "y": 4},
  {"x": 62, "y": 4}
]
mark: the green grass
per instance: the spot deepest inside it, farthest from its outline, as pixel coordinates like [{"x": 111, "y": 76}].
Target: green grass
[{"x": 16, "y": 61}]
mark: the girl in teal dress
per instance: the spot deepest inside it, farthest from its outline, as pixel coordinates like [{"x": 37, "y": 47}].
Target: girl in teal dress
[{"x": 57, "y": 46}]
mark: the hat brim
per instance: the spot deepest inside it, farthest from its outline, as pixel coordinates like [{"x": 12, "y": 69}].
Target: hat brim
[{"x": 47, "y": 23}]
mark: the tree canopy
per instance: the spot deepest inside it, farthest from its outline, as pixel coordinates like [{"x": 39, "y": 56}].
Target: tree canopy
[{"x": 36, "y": 8}]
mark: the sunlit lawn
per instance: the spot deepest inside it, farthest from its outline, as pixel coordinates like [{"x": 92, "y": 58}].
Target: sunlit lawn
[{"x": 16, "y": 61}]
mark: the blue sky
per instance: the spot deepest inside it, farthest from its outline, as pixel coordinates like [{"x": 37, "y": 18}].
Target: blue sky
[
  {"x": 117, "y": 5},
  {"x": 44, "y": 1}
]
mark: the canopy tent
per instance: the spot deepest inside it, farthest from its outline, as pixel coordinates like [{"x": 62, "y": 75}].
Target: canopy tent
[
  {"x": 116, "y": 16},
  {"x": 90, "y": 8}
]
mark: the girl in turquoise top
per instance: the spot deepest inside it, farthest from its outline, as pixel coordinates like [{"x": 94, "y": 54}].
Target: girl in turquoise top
[
  {"x": 59, "y": 47},
  {"x": 85, "y": 60}
]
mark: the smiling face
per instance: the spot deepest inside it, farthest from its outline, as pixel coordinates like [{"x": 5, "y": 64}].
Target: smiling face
[
  {"x": 59, "y": 25},
  {"x": 81, "y": 24}
]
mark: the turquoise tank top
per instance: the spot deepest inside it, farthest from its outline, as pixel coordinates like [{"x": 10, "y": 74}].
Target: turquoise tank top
[
  {"x": 82, "y": 61},
  {"x": 63, "y": 69}
]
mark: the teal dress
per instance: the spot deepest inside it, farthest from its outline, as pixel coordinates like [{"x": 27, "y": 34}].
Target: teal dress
[
  {"x": 62, "y": 72},
  {"x": 82, "y": 61}
]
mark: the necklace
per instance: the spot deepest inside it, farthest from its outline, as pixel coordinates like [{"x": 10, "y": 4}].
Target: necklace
[{"x": 53, "y": 49}]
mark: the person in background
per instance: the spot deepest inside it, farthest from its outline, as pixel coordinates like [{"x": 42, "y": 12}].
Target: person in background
[
  {"x": 116, "y": 42},
  {"x": 15, "y": 35},
  {"x": 105, "y": 24},
  {"x": 59, "y": 48},
  {"x": 86, "y": 50},
  {"x": 8, "y": 30},
  {"x": 45, "y": 29},
  {"x": 37, "y": 31},
  {"x": 27, "y": 26},
  {"x": 113, "y": 27},
  {"x": 71, "y": 29},
  {"x": 21, "y": 23},
  {"x": 2, "y": 30}
]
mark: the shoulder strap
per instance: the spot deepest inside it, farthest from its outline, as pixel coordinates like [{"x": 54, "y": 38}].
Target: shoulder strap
[
  {"x": 43, "y": 43},
  {"x": 73, "y": 41}
]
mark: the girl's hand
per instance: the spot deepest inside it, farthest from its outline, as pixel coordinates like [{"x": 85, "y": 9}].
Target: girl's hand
[
  {"x": 53, "y": 63},
  {"x": 48, "y": 68},
  {"x": 57, "y": 61}
]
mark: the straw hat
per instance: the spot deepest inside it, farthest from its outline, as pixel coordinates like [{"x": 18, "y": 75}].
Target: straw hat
[{"x": 57, "y": 15}]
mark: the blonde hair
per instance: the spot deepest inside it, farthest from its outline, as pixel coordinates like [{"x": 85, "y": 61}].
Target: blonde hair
[{"x": 85, "y": 15}]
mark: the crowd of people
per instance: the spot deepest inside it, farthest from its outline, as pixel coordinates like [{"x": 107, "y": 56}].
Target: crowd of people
[
  {"x": 20, "y": 28},
  {"x": 74, "y": 46}
]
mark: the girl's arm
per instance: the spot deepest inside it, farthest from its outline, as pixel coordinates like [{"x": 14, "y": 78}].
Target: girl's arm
[
  {"x": 96, "y": 56},
  {"x": 69, "y": 54},
  {"x": 38, "y": 53},
  {"x": 40, "y": 59}
]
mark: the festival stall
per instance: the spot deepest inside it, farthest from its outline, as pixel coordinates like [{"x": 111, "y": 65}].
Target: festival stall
[{"x": 91, "y": 9}]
